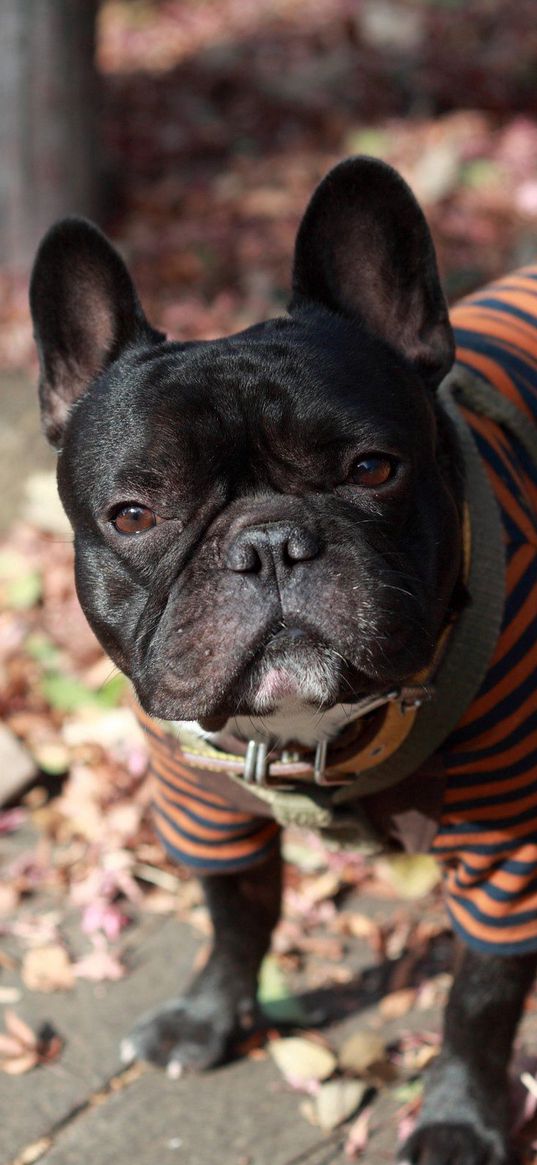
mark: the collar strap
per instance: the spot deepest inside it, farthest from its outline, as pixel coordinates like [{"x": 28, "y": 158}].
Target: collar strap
[
  {"x": 334, "y": 763},
  {"x": 381, "y": 725}
]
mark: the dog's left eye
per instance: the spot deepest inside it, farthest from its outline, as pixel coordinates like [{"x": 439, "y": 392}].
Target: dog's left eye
[
  {"x": 372, "y": 471},
  {"x": 133, "y": 519}
]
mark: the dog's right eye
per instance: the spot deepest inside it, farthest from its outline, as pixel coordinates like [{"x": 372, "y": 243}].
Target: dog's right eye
[
  {"x": 134, "y": 519},
  {"x": 372, "y": 471}
]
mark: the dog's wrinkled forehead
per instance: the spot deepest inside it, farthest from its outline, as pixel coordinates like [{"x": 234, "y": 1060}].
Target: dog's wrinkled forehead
[{"x": 261, "y": 408}]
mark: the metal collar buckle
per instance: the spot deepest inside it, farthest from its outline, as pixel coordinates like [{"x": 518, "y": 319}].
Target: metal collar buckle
[
  {"x": 255, "y": 763},
  {"x": 256, "y": 766}
]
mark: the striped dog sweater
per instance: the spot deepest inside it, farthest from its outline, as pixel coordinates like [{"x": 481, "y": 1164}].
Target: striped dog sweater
[{"x": 483, "y": 778}]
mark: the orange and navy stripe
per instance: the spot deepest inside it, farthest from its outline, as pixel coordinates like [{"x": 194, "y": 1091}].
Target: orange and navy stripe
[
  {"x": 488, "y": 831},
  {"x": 196, "y": 825}
]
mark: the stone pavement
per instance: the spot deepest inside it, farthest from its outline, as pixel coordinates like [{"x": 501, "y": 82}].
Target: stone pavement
[{"x": 87, "y": 1106}]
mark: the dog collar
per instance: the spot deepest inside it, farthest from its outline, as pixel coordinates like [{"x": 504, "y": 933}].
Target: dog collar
[
  {"x": 380, "y": 724},
  {"x": 398, "y": 730}
]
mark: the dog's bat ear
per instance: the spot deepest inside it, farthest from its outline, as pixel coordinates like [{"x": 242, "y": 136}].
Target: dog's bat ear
[
  {"x": 364, "y": 250},
  {"x": 85, "y": 311}
]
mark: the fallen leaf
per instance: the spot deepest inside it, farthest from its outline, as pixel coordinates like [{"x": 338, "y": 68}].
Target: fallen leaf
[
  {"x": 301, "y": 1061},
  {"x": 336, "y": 1101},
  {"x": 18, "y": 1048},
  {"x": 422, "y": 1057},
  {"x": 325, "y": 886},
  {"x": 397, "y": 1003},
  {"x": 278, "y": 1003},
  {"x": 34, "y": 1151},
  {"x": 105, "y": 916},
  {"x": 411, "y": 875},
  {"x": 360, "y": 1051},
  {"x": 52, "y": 757},
  {"x": 307, "y": 1109},
  {"x": 18, "y": 1065},
  {"x": 47, "y": 969},
  {"x": 18, "y": 1028}
]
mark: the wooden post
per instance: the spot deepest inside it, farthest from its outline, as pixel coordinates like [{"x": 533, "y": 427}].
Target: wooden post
[{"x": 48, "y": 163}]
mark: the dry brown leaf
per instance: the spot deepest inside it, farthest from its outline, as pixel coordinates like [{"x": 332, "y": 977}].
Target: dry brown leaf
[
  {"x": 21, "y": 1049},
  {"x": 34, "y": 1151},
  {"x": 18, "y": 1048},
  {"x": 301, "y": 1061},
  {"x": 17, "y": 1028},
  {"x": 48, "y": 969},
  {"x": 411, "y": 875},
  {"x": 397, "y": 1003},
  {"x": 360, "y": 1051},
  {"x": 9, "y": 1046},
  {"x": 18, "y": 1065},
  {"x": 336, "y": 1101},
  {"x": 325, "y": 886},
  {"x": 421, "y": 1058}
]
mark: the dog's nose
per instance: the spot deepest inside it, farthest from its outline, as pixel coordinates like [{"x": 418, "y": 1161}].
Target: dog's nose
[{"x": 262, "y": 549}]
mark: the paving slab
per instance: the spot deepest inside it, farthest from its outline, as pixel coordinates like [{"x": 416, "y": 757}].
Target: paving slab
[
  {"x": 238, "y": 1115},
  {"x": 242, "y": 1114},
  {"x": 92, "y": 1019}
]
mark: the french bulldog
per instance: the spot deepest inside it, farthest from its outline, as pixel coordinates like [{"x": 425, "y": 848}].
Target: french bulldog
[{"x": 269, "y": 531}]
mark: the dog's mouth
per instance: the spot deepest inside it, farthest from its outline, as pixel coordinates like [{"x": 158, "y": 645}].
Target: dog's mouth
[
  {"x": 290, "y": 667},
  {"x": 295, "y": 666}
]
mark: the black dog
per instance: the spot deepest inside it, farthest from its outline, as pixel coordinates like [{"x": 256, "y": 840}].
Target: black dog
[{"x": 268, "y": 526}]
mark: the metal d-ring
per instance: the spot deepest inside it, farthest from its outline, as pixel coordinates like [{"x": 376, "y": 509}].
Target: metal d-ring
[
  {"x": 320, "y": 762},
  {"x": 255, "y": 763}
]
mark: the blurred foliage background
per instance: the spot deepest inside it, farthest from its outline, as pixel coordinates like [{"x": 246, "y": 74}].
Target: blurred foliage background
[{"x": 216, "y": 118}]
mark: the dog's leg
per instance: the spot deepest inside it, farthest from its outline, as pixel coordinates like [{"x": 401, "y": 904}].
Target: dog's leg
[
  {"x": 465, "y": 1115},
  {"x": 194, "y": 1031}
]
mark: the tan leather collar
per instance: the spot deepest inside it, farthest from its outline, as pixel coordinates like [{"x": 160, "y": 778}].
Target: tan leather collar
[{"x": 381, "y": 724}]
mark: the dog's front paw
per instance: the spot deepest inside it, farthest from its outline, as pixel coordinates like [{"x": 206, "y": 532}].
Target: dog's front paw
[
  {"x": 192, "y": 1032},
  {"x": 453, "y": 1144}
]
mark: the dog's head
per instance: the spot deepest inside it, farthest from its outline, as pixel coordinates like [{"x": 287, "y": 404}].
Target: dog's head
[{"x": 274, "y": 515}]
